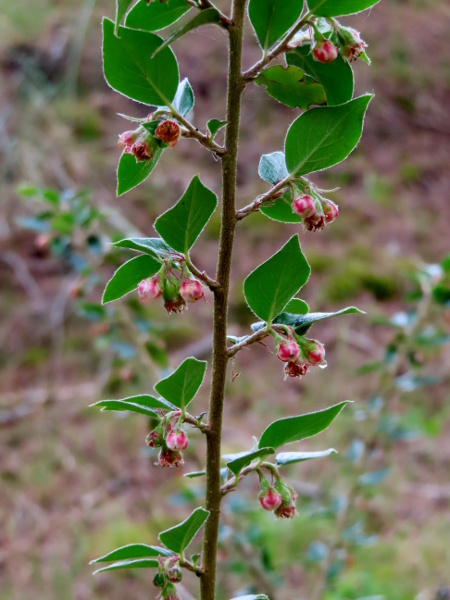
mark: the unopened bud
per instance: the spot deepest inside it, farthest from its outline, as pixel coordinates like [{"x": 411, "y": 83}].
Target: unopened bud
[
  {"x": 304, "y": 206},
  {"x": 352, "y": 44},
  {"x": 270, "y": 499},
  {"x": 149, "y": 289},
  {"x": 325, "y": 51},
  {"x": 127, "y": 140},
  {"x": 313, "y": 352},
  {"x": 191, "y": 290},
  {"x": 159, "y": 580},
  {"x": 287, "y": 508},
  {"x": 142, "y": 151},
  {"x": 330, "y": 210},
  {"x": 288, "y": 351},
  {"x": 155, "y": 438},
  {"x": 177, "y": 440},
  {"x": 168, "y": 132},
  {"x": 174, "y": 574}
]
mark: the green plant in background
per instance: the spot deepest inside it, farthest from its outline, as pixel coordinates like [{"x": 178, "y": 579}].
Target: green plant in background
[{"x": 141, "y": 65}]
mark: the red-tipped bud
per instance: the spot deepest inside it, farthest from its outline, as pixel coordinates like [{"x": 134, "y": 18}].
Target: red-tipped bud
[
  {"x": 304, "y": 206},
  {"x": 352, "y": 44},
  {"x": 288, "y": 351},
  {"x": 142, "y": 151},
  {"x": 287, "y": 509},
  {"x": 155, "y": 438},
  {"x": 127, "y": 140},
  {"x": 170, "y": 458},
  {"x": 168, "y": 132},
  {"x": 295, "y": 369},
  {"x": 149, "y": 289},
  {"x": 174, "y": 574},
  {"x": 191, "y": 290},
  {"x": 271, "y": 499},
  {"x": 330, "y": 210},
  {"x": 313, "y": 352},
  {"x": 325, "y": 51},
  {"x": 177, "y": 440}
]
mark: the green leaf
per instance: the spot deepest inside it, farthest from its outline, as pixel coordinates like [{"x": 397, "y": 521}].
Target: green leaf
[
  {"x": 339, "y": 8},
  {"x": 272, "y": 167},
  {"x": 195, "y": 474},
  {"x": 290, "y": 86},
  {"x": 294, "y": 429},
  {"x": 271, "y": 285},
  {"x": 336, "y": 78},
  {"x": 156, "y": 15},
  {"x": 325, "y": 136},
  {"x": 128, "y": 276},
  {"x": 297, "y": 307},
  {"x": 143, "y": 404},
  {"x": 179, "y": 537},
  {"x": 131, "y": 173},
  {"x": 122, "y": 7},
  {"x": 181, "y": 225},
  {"x": 236, "y": 462},
  {"x": 289, "y": 458},
  {"x": 252, "y": 597},
  {"x": 271, "y": 19},
  {"x": 132, "y": 551},
  {"x": 155, "y": 247},
  {"x": 182, "y": 385},
  {"x": 281, "y": 209},
  {"x": 205, "y": 17},
  {"x": 184, "y": 98},
  {"x": 302, "y": 323},
  {"x": 214, "y": 125},
  {"x": 143, "y": 563},
  {"x": 130, "y": 70}
]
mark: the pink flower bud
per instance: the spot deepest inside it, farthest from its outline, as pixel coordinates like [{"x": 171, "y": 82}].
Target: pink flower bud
[
  {"x": 304, "y": 206},
  {"x": 287, "y": 508},
  {"x": 288, "y": 351},
  {"x": 286, "y": 512},
  {"x": 155, "y": 438},
  {"x": 174, "y": 574},
  {"x": 168, "y": 132},
  {"x": 325, "y": 51},
  {"x": 314, "y": 353},
  {"x": 127, "y": 140},
  {"x": 170, "y": 458},
  {"x": 295, "y": 369},
  {"x": 149, "y": 289},
  {"x": 352, "y": 44},
  {"x": 191, "y": 290},
  {"x": 271, "y": 499},
  {"x": 330, "y": 210},
  {"x": 177, "y": 440}
]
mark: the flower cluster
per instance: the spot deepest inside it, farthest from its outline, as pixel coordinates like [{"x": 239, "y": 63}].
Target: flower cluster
[
  {"x": 148, "y": 137},
  {"x": 169, "y": 573},
  {"x": 315, "y": 212},
  {"x": 297, "y": 352},
  {"x": 278, "y": 497},
  {"x": 170, "y": 438},
  {"x": 175, "y": 292}
]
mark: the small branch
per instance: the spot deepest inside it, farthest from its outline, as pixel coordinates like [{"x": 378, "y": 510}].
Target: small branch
[
  {"x": 189, "y": 566},
  {"x": 188, "y": 418},
  {"x": 211, "y": 283},
  {"x": 272, "y": 194},
  {"x": 193, "y": 132},
  {"x": 251, "y": 339},
  {"x": 281, "y": 47},
  {"x": 232, "y": 483},
  {"x": 203, "y": 4}
]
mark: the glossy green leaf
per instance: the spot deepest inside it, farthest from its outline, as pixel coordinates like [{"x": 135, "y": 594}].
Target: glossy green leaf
[
  {"x": 143, "y": 563},
  {"x": 182, "y": 385},
  {"x": 179, "y": 537},
  {"x": 155, "y": 247},
  {"x": 272, "y": 167},
  {"x": 294, "y": 429},
  {"x": 195, "y": 474},
  {"x": 297, "y": 307},
  {"x": 122, "y": 7},
  {"x": 303, "y": 323},
  {"x": 156, "y": 15},
  {"x": 339, "y": 8},
  {"x": 336, "y": 78},
  {"x": 128, "y": 276},
  {"x": 271, "y": 285},
  {"x": 271, "y": 19},
  {"x": 290, "y": 86},
  {"x": 208, "y": 16},
  {"x": 243, "y": 459},
  {"x": 214, "y": 125},
  {"x": 143, "y": 404},
  {"x": 289, "y": 458},
  {"x": 184, "y": 98},
  {"x": 325, "y": 136},
  {"x": 133, "y": 551},
  {"x": 131, "y": 173},
  {"x": 181, "y": 225},
  {"x": 281, "y": 209},
  {"x": 130, "y": 70}
]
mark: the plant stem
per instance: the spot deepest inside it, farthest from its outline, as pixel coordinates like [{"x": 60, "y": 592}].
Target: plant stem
[{"x": 220, "y": 352}]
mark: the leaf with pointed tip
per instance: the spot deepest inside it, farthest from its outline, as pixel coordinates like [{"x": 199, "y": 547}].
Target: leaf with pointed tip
[
  {"x": 142, "y": 563},
  {"x": 294, "y": 429},
  {"x": 336, "y": 78},
  {"x": 281, "y": 209},
  {"x": 155, "y": 247},
  {"x": 271, "y": 19},
  {"x": 131, "y": 173},
  {"x": 195, "y": 474},
  {"x": 128, "y": 276},
  {"x": 122, "y": 7},
  {"x": 236, "y": 462},
  {"x": 324, "y": 136},
  {"x": 208, "y": 16},
  {"x": 179, "y": 537},
  {"x": 297, "y": 307},
  {"x": 271, "y": 285},
  {"x": 143, "y": 404},
  {"x": 272, "y": 167},
  {"x": 132, "y": 551},
  {"x": 303, "y": 323},
  {"x": 214, "y": 125},
  {"x": 289, "y": 458},
  {"x": 339, "y": 8},
  {"x": 130, "y": 70},
  {"x": 183, "y": 384},
  {"x": 290, "y": 87},
  {"x": 181, "y": 225},
  {"x": 156, "y": 15},
  {"x": 184, "y": 98}
]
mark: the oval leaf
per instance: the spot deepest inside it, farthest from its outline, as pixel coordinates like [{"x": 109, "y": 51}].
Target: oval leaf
[
  {"x": 181, "y": 387},
  {"x": 303, "y": 323},
  {"x": 294, "y": 429},
  {"x": 339, "y": 8},
  {"x": 281, "y": 210},
  {"x": 155, "y": 247},
  {"x": 131, "y": 173},
  {"x": 289, "y": 458},
  {"x": 271, "y": 19},
  {"x": 325, "y": 136},
  {"x": 272, "y": 167},
  {"x": 289, "y": 86},
  {"x": 133, "y": 551},
  {"x": 128, "y": 276},
  {"x": 179, "y": 537},
  {"x": 143, "y": 404},
  {"x": 143, "y": 563},
  {"x": 183, "y": 102},
  {"x": 244, "y": 459},
  {"x": 181, "y": 225},
  {"x": 270, "y": 287},
  {"x": 130, "y": 70},
  {"x": 156, "y": 15}
]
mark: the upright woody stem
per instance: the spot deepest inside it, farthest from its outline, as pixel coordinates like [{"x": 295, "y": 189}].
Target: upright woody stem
[{"x": 220, "y": 354}]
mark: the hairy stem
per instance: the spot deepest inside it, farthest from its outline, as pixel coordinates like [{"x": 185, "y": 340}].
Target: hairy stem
[{"x": 220, "y": 352}]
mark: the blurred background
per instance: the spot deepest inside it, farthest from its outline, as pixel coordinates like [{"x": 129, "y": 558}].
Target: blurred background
[{"x": 75, "y": 483}]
